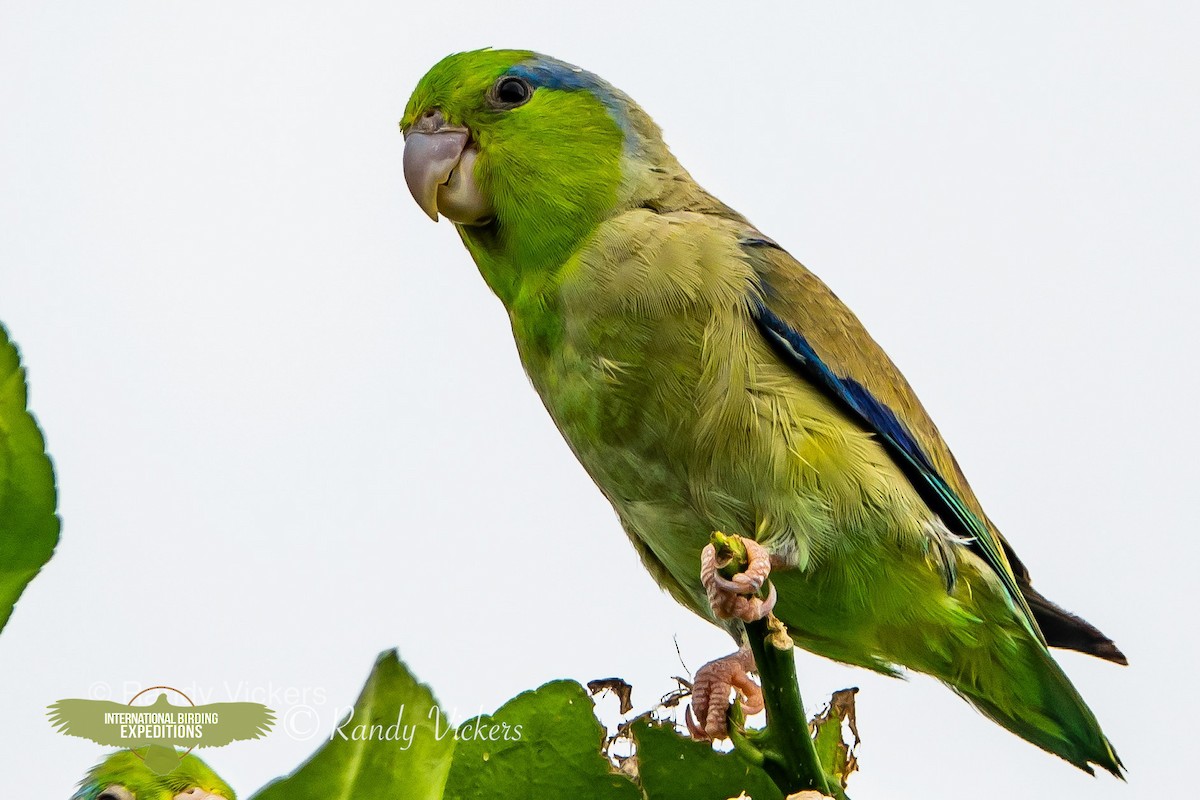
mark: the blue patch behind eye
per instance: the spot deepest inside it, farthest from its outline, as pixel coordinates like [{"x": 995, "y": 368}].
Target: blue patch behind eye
[{"x": 550, "y": 73}]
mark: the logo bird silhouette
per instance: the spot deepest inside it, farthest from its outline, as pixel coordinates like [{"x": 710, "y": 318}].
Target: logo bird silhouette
[{"x": 161, "y": 727}]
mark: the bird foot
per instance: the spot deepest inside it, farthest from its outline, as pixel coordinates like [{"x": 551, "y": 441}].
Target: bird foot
[
  {"x": 736, "y": 596},
  {"x": 710, "y": 694}
]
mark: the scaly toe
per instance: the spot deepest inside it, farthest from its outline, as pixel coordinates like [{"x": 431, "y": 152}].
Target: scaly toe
[
  {"x": 710, "y": 695},
  {"x": 736, "y": 597}
]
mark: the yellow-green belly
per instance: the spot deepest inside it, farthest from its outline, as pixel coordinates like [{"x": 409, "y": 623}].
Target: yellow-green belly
[{"x": 689, "y": 424}]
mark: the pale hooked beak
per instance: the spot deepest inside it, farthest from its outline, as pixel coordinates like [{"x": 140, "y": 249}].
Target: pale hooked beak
[
  {"x": 439, "y": 168},
  {"x": 196, "y": 793}
]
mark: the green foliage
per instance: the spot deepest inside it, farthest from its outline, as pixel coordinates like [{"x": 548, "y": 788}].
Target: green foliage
[
  {"x": 28, "y": 524},
  {"x": 366, "y": 757},
  {"x": 671, "y": 767},
  {"x": 552, "y": 751},
  {"x": 544, "y": 744}
]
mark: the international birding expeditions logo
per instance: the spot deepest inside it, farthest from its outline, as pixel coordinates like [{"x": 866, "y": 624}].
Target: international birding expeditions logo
[{"x": 157, "y": 730}]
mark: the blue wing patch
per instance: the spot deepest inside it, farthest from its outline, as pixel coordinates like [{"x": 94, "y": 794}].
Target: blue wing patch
[
  {"x": 850, "y": 392},
  {"x": 904, "y": 449}
]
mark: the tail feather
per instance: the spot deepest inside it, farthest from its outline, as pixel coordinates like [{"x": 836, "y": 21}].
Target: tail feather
[
  {"x": 1039, "y": 704},
  {"x": 1066, "y": 630}
]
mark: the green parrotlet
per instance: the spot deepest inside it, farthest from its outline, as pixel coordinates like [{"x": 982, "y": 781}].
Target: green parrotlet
[
  {"x": 125, "y": 776},
  {"x": 707, "y": 381}
]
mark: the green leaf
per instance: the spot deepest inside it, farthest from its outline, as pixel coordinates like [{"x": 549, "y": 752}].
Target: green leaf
[
  {"x": 674, "y": 768},
  {"x": 394, "y": 744},
  {"x": 541, "y": 745},
  {"x": 28, "y": 524}
]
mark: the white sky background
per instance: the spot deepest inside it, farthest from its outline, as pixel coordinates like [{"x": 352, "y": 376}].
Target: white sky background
[{"x": 290, "y": 425}]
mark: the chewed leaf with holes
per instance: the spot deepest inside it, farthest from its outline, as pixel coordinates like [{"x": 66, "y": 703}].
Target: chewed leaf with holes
[
  {"x": 541, "y": 745},
  {"x": 28, "y": 524},
  {"x": 836, "y": 755},
  {"x": 672, "y": 767}
]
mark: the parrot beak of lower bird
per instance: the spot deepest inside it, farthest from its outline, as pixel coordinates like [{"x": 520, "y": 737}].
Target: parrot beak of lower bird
[
  {"x": 439, "y": 168},
  {"x": 196, "y": 793}
]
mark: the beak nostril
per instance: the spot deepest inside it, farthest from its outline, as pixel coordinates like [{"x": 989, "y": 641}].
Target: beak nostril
[{"x": 431, "y": 121}]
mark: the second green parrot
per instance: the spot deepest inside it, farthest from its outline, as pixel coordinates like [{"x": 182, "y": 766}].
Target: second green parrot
[
  {"x": 708, "y": 382},
  {"x": 125, "y": 776}
]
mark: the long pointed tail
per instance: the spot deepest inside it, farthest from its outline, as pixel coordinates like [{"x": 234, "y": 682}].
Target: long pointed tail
[{"x": 1034, "y": 699}]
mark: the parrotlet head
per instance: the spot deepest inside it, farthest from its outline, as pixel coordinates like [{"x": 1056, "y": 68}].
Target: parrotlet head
[
  {"x": 526, "y": 153},
  {"x": 125, "y": 776}
]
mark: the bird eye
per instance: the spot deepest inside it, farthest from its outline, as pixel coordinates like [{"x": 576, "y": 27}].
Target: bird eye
[{"x": 510, "y": 92}]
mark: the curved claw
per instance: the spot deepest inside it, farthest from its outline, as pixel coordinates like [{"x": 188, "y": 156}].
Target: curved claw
[{"x": 698, "y": 733}]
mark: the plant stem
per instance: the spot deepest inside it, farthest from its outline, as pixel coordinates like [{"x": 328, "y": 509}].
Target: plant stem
[
  {"x": 788, "y": 753},
  {"x": 783, "y": 748}
]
